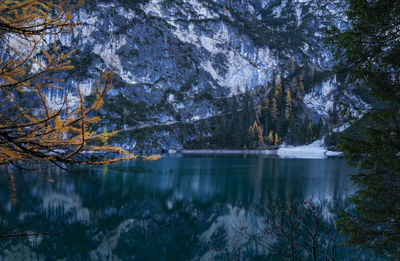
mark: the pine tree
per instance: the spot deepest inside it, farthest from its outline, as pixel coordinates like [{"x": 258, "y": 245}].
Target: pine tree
[
  {"x": 252, "y": 137},
  {"x": 301, "y": 90},
  {"x": 295, "y": 83},
  {"x": 296, "y": 90},
  {"x": 259, "y": 112},
  {"x": 293, "y": 65},
  {"x": 367, "y": 51},
  {"x": 293, "y": 130}
]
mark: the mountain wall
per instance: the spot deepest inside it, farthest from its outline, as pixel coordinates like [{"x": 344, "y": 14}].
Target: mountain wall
[{"x": 188, "y": 72}]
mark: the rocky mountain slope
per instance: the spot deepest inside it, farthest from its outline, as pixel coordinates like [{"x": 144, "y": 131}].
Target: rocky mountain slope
[{"x": 184, "y": 66}]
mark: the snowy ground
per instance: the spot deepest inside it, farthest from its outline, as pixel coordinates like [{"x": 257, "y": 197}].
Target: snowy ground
[{"x": 315, "y": 150}]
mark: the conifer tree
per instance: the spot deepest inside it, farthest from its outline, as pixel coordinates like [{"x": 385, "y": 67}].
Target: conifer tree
[
  {"x": 30, "y": 129},
  {"x": 274, "y": 109},
  {"x": 300, "y": 94},
  {"x": 278, "y": 86},
  {"x": 266, "y": 115},
  {"x": 296, "y": 90},
  {"x": 252, "y": 137},
  {"x": 295, "y": 83},
  {"x": 255, "y": 135},
  {"x": 271, "y": 137},
  {"x": 259, "y": 112},
  {"x": 294, "y": 133},
  {"x": 277, "y": 140},
  {"x": 266, "y": 103},
  {"x": 260, "y": 135},
  {"x": 293, "y": 65},
  {"x": 288, "y": 108},
  {"x": 367, "y": 51}
]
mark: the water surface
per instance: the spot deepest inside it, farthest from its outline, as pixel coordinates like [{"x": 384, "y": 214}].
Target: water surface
[{"x": 187, "y": 208}]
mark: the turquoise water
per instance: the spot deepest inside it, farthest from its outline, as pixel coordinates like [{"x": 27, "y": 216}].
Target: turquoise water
[{"x": 187, "y": 208}]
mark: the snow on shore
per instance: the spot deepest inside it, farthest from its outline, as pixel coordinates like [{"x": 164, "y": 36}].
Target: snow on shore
[{"x": 315, "y": 150}]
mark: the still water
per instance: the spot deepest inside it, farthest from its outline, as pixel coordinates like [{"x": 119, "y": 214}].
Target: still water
[{"x": 176, "y": 208}]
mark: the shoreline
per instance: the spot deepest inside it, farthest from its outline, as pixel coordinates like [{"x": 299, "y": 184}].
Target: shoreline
[
  {"x": 227, "y": 151},
  {"x": 314, "y": 150},
  {"x": 286, "y": 153}
]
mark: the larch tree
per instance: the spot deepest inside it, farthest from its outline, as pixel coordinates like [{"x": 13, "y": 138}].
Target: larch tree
[
  {"x": 277, "y": 140},
  {"x": 278, "y": 86},
  {"x": 260, "y": 137},
  {"x": 266, "y": 103},
  {"x": 274, "y": 109},
  {"x": 255, "y": 135},
  {"x": 30, "y": 66},
  {"x": 288, "y": 108},
  {"x": 271, "y": 137},
  {"x": 296, "y": 90}
]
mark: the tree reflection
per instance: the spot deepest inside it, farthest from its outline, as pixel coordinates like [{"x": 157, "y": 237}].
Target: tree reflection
[
  {"x": 298, "y": 230},
  {"x": 180, "y": 209}
]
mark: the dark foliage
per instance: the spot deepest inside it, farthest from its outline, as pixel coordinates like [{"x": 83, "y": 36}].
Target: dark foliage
[{"x": 368, "y": 52}]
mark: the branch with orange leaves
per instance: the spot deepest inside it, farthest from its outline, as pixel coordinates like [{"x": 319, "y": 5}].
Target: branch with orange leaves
[
  {"x": 30, "y": 129},
  {"x": 60, "y": 135}
]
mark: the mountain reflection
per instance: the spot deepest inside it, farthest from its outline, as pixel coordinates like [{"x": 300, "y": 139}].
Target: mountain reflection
[
  {"x": 246, "y": 180},
  {"x": 171, "y": 209}
]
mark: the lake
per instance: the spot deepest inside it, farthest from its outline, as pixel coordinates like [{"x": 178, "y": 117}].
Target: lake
[{"x": 176, "y": 208}]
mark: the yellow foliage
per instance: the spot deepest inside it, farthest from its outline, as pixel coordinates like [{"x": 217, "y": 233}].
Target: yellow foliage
[
  {"x": 152, "y": 157},
  {"x": 293, "y": 65},
  {"x": 278, "y": 86},
  {"x": 271, "y": 137},
  {"x": 255, "y": 134},
  {"x": 266, "y": 103},
  {"x": 30, "y": 129},
  {"x": 274, "y": 109},
  {"x": 277, "y": 140},
  {"x": 288, "y": 108}
]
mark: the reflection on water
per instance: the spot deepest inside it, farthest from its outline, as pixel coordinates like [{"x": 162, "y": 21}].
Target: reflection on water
[{"x": 190, "y": 208}]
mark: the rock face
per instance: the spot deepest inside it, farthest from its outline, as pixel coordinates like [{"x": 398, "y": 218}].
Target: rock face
[{"x": 175, "y": 60}]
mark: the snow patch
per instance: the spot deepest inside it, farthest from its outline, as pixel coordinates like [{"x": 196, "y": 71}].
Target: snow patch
[
  {"x": 153, "y": 8},
  {"x": 315, "y": 150}
]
